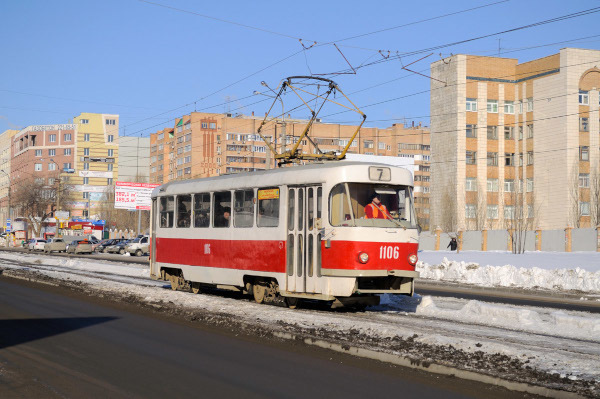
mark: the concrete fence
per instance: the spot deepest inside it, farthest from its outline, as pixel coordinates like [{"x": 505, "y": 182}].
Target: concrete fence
[{"x": 567, "y": 240}]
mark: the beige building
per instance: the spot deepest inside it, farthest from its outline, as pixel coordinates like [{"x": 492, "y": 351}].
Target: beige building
[
  {"x": 5, "y": 157},
  {"x": 511, "y": 139},
  {"x": 209, "y": 144}
]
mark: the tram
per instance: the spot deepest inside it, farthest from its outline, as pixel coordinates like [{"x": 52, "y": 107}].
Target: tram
[{"x": 289, "y": 234}]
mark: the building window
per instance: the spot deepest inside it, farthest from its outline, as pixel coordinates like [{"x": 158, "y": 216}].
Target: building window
[
  {"x": 470, "y": 211},
  {"x": 109, "y": 167},
  {"x": 471, "y": 157},
  {"x": 187, "y": 171},
  {"x": 509, "y": 132},
  {"x": 509, "y": 107},
  {"x": 471, "y": 184},
  {"x": 584, "y": 124},
  {"x": 86, "y": 152},
  {"x": 51, "y": 166},
  {"x": 584, "y": 180},
  {"x": 111, "y": 138},
  {"x": 471, "y": 104},
  {"x": 530, "y": 184},
  {"x": 213, "y": 125},
  {"x": 38, "y": 153},
  {"x": 86, "y": 195},
  {"x": 520, "y": 103},
  {"x": 584, "y": 208},
  {"x": 492, "y": 159},
  {"x": 86, "y": 180},
  {"x": 584, "y": 153},
  {"x": 187, "y": 148},
  {"x": 529, "y": 104},
  {"x": 86, "y": 137},
  {"x": 492, "y": 211},
  {"x": 52, "y": 152},
  {"x": 509, "y": 186},
  {"x": 52, "y": 138},
  {"x": 109, "y": 181},
  {"x": 368, "y": 144},
  {"x": 521, "y": 159},
  {"x": 111, "y": 152},
  {"x": 471, "y": 131},
  {"x": 584, "y": 97},
  {"x": 509, "y": 212},
  {"x": 530, "y": 211},
  {"x": 529, "y": 157},
  {"x": 67, "y": 137},
  {"x": 39, "y": 180},
  {"x": 492, "y": 132},
  {"x": 509, "y": 159},
  {"x": 86, "y": 166},
  {"x": 160, "y": 147},
  {"x": 51, "y": 181},
  {"x": 67, "y": 165},
  {"x": 188, "y": 137},
  {"x": 188, "y": 159},
  {"x": 529, "y": 131},
  {"x": 38, "y": 167},
  {"x": 492, "y": 106},
  {"x": 67, "y": 151},
  {"x": 84, "y": 121},
  {"x": 204, "y": 125},
  {"x": 492, "y": 185},
  {"x": 381, "y": 146},
  {"x": 111, "y": 122},
  {"x": 160, "y": 136}
]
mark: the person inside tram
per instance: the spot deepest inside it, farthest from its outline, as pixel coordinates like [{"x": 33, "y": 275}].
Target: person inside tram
[
  {"x": 223, "y": 217},
  {"x": 375, "y": 209}
]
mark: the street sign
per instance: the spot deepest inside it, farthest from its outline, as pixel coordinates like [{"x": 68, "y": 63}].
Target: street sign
[
  {"x": 8, "y": 225},
  {"x": 61, "y": 214}
]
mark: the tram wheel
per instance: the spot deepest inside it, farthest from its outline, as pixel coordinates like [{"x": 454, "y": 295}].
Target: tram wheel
[
  {"x": 259, "y": 292},
  {"x": 292, "y": 303},
  {"x": 195, "y": 287},
  {"x": 174, "y": 282}
]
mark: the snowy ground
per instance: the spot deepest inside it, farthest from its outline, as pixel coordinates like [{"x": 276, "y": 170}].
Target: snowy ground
[
  {"x": 564, "y": 345},
  {"x": 578, "y": 271}
]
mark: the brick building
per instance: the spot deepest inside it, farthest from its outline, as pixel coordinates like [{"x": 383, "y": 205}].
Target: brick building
[
  {"x": 513, "y": 139},
  {"x": 210, "y": 144}
]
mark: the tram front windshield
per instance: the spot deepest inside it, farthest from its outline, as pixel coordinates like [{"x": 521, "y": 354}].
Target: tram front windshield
[{"x": 372, "y": 205}]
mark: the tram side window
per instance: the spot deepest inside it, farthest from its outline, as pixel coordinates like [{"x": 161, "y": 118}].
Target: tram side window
[
  {"x": 268, "y": 207},
  {"x": 167, "y": 208},
  {"x": 339, "y": 206},
  {"x": 222, "y": 209},
  {"x": 184, "y": 210},
  {"x": 202, "y": 210},
  {"x": 244, "y": 208}
]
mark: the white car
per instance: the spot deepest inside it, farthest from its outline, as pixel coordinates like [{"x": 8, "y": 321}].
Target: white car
[
  {"x": 139, "y": 246},
  {"x": 36, "y": 244}
]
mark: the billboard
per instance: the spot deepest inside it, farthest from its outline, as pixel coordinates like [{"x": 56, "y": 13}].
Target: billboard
[{"x": 129, "y": 195}]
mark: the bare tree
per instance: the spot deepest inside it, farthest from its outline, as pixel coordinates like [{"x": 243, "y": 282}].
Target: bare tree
[
  {"x": 574, "y": 198},
  {"x": 481, "y": 209},
  {"x": 595, "y": 196},
  {"x": 522, "y": 220},
  {"x": 37, "y": 201}
]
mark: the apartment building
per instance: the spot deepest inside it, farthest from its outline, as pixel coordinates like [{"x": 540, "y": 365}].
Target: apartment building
[
  {"x": 5, "y": 157},
  {"x": 515, "y": 141},
  {"x": 82, "y": 155},
  {"x": 209, "y": 144}
]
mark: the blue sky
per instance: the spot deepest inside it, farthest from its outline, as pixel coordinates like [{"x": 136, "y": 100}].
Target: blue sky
[{"x": 151, "y": 64}]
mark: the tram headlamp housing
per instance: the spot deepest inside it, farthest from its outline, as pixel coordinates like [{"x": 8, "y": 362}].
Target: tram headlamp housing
[
  {"x": 412, "y": 259},
  {"x": 363, "y": 257}
]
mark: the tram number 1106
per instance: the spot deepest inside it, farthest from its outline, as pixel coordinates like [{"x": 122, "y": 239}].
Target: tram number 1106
[{"x": 389, "y": 252}]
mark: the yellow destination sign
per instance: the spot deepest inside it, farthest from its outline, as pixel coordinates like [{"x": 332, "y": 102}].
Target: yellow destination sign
[{"x": 272, "y": 193}]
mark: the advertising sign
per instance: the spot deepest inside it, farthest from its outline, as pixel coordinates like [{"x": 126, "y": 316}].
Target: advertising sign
[
  {"x": 96, "y": 196},
  {"x": 61, "y": 214},
  {"x": 129, "y": 195},
  {"x": 8, "y": 225},
  {"x": 95, "y": 173}
]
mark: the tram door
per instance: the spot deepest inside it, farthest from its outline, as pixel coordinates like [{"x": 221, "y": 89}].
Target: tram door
[
  {"x": 153, "y": 220},
  {"x": 303, "y": 241}
]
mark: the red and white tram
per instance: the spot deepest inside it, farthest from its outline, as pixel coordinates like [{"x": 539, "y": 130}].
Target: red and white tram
[{"x": 290, "y": 233}]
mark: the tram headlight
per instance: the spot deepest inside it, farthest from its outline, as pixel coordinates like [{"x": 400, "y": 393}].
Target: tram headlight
[
  {"x": 412, "y": 259},
  {"x": 363, "y": 257}
]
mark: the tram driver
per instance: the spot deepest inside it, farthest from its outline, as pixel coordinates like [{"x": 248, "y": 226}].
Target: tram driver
[{"x": 375, "y": 209}]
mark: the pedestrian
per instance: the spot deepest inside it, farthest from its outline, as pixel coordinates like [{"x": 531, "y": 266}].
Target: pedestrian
[{"x": 453, "y": 244}]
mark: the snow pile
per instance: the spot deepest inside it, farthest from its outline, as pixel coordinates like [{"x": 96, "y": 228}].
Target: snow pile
[{"x": 485, "y": 269}]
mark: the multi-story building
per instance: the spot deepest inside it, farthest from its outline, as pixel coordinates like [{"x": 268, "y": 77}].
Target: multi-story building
[
  {"x": 209, "y": 144},
  {"x": 82, "y": 155},
  {"x": 5, "y": 157},
  {"x": 515, "y": 141}
]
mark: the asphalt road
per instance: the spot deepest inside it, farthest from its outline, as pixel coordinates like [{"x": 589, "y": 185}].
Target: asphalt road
[{"x": 57, "y": 343}]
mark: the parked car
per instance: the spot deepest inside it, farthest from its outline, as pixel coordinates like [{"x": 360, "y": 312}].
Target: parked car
[
  {"x": 36, "y": 244},
  {"x": 118, "y": 248},
  {"x": 55, "y": 244},
  {"x": 139, "y": 246},
  {"x": 104, "y": 244},
  {"x": 80, "y": 247}
]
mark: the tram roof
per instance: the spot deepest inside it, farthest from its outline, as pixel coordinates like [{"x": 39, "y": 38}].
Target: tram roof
[{"x": 305, "y": 174}]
